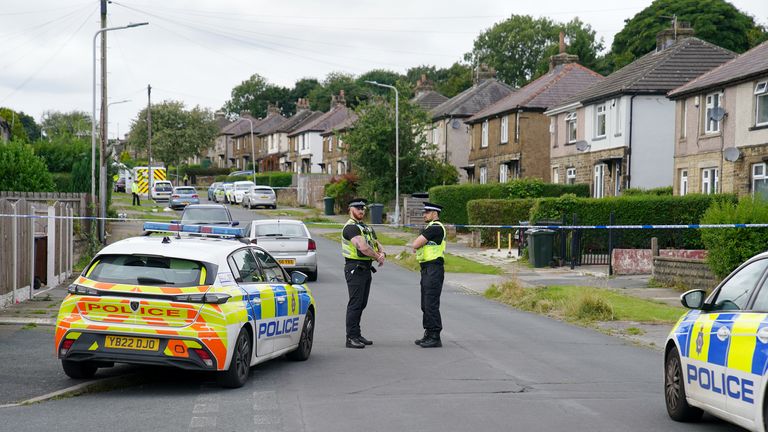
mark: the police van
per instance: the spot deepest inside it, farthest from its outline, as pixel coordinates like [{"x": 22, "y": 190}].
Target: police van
[
  {"x": 208, "y": 301},
  {"x": 716, "y": 356}
]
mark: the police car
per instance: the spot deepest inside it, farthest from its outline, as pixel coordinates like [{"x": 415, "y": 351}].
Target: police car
[
  {"x": 209, "y": 302},
  {"x": 716, "y": 356}
]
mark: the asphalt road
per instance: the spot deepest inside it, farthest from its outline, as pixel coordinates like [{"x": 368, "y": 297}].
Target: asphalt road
[{"x": 499, "y": 369}]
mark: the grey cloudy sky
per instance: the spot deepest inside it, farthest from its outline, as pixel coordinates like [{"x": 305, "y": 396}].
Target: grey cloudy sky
[{"x": 196, "y": 51}]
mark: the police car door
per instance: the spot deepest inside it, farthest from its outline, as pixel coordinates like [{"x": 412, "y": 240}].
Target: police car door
[
  {"x": 286, "y": 301},
  {"x": 748, "y": 352},
  {"x": 261, "y": 300},
  {"x": 711, "y": 343}
]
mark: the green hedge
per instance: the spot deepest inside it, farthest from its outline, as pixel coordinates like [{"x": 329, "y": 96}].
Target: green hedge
[
  {"x": 660, "y": 191},
  {"x": 729, "y": 247},
  {"x": 197, "y": 170},
  {"x": 454, "y": 198},
  {"x": 498, "y": 212},
  {"x": 635, "y": 210},
  {"x": 274, "y": 179}
]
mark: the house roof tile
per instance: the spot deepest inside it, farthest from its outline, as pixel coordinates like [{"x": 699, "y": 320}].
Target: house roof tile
[
  {"x": 429, "y": 99},
  {"x": 324, "y": 122},
  {"x": 472, "y": 100}
]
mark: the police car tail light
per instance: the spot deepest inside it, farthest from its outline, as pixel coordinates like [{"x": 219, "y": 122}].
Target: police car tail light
[
  {"x": 81, "y": 290},
  {"x": 65, "y": 346},
  {"x": 214, "y": 298},
  {"x": 311, "y": 245},
  {"x": 175, "y": 196},
  {"x": 204, "y": 356},
  {"x": 195, "y": 196}
]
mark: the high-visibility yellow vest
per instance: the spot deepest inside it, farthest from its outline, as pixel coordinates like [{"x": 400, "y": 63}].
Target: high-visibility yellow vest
[
  {"x": 349, "y": 250},
  {"x": 135, "y": 187},
  {"x": 432, "y": 251}
]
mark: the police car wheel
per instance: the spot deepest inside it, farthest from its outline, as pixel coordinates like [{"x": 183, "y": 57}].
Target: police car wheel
[
  {"x": 305, "y": 342},
  {"x": 312, "y": 276},
  {"x": 674, "y": 391},
  {"x": 240, "y": 366},
  {"x": 78, "y": 370}
]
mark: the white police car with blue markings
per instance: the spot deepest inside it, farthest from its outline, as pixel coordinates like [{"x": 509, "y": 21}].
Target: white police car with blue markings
[
  {"x": 208, "y": 301},
  {"x": 716, "y": 356}
]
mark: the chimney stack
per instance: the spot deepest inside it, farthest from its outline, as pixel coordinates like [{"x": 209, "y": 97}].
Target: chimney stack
[
  {"x": 302, "y": 104},
  {"x": 563, "y": 57},
  {"x": 339, "y": 100},
  {"x": 562, "y": 43},
  {"x": 424, "y": 85},
  {"x": 272, "y": 109},
  {"x": 484, "y": 73},
  {"x": 668, "y": 37},
  {"x": 245, "y": 113}
]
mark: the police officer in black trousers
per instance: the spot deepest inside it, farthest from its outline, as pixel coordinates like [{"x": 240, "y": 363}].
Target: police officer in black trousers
[
  {"x": 360, "y": 248},
  {"x": 430, "y": 252}
]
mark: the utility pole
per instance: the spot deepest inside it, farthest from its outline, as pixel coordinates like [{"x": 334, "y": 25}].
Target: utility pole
[
  {"x": 103, "y": 128},
  {"x": 149, "y": 141}
]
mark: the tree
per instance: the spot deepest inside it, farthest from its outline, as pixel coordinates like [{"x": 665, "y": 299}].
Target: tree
[
  {"x": 21, "y": 170},
  {"x": 715, "y": 21},
  {"x": 68, "y": 124},
  {"x": 177, "y": 133},
  {"x": 518, "y": 47},
  {"x": 301, "y": 90},
  {"x": 335, "y": 82},
  {"x": 581, "y": 41},
  {"x": 448, "y": 81},
  {"x": 14, "y": 120},
  {"x": 254, "y": 95},
  {"x": 372, "y": 150}
]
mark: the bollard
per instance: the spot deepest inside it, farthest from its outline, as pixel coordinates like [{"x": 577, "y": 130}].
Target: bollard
[
  {"x": 509, "y": 242},
  {"x": 498, "y": 241}
]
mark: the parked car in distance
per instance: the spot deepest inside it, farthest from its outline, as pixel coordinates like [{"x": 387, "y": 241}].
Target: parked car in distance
[
  {"x": 220, "y": 194},
  {"x": 211, "y": 190},
  {"x": 260, "y": 196},
  {"x": 241, "y": 173},
  {"x": 120, "y": 185},
  {"x": 161, "y": 190},
  {"x": 241, "y": 187},
  {"x": 207, "y": 214},
  {"x": 289, "y": 241},
  {"x": 183, "y": 196}
]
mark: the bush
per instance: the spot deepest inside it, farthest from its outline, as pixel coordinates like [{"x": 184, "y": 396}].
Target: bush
[
  {"x": 454, "y": 198},
  {"x": 498, "y": 212},
  {"x": 197, "y": 170},
  {"x": 660, "y": 191},
  {"x": 634, "y": 210},
  {"x": 729, "y": 247},
  {"x": 22, "y": 171},
  {"x": 342, "y": 189}
]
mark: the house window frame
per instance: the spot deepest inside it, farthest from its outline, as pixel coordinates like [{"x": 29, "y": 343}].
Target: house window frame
[
  {"x": 504, "y": 129},
  {"x": 517, "y": 126},
  {"x": 683, "y": 119},
  {"x": 503, "y": 173},
  {"x": 483, "y": 176},
  {"x": 571, "y": 127},
  {"x": 755, "y": 177},
  {"x": 484, "y": 134},
  {"x": 598, "y": 189},
  {"x": 709, "y": 185},
  {"x": 435, "y": 136},
  {"x": 712, "y": 101},
  {"x": 600, "y": 120},
  {"x": 618, "y": 118},
  {"x": 684, "y": 182},
  {"x": 570, "y": 175},
  {"x": 555, "y": 174},
  {"x": 761, "y": 94}
]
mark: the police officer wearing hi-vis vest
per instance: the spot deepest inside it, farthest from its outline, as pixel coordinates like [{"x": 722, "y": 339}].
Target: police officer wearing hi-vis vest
[
  {"x": 430, "y": 251},
  {"x": 360, "y": 248}
]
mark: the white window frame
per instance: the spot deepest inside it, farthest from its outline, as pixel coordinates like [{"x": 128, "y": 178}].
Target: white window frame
[
  {"x": 435, "y": 136},
  {"x": 708, "y": 186},
  {"x": 617, "y": 113},
  {"x": 484, "y": 137},
  {"x": 571, "y": 125},
  {"x": 714, "y": 100},
  {"x": 517, "y": 126},
  {"x": 504, "y": 129},
  {"x": 570, "y": 175},
  {"x": 598, "y": 190},
  {"x": 330, "y": 143},
  {"x": 684, "y": 119},
  {"x": 503, "y": 173},
  {"x": 600, "y": 119},
  {"x": 483, "y": 174},
  {"x": 683, "y": 182},
  {"x": 555, "y": 175},
  {"x": 761, "y": 95},
  {"x": 759, "y": 174}
]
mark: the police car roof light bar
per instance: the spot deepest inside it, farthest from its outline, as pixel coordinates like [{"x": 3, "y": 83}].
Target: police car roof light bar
[{"x": 208, "y": 230}]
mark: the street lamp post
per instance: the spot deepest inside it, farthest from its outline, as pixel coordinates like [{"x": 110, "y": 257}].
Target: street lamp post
[
  {"x": 253, "y": 150},
  {"x": 397, "y": 147},
  {"x": 102, "y": 171}
]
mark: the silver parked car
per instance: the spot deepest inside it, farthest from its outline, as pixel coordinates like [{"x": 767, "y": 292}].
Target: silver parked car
[
  {"x": 289, "y": 241},
  {"x": 260, "y": 196},
  {"x": 183, "y": 196}
]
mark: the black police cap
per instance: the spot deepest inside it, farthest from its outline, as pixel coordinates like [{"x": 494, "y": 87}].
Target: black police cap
[
  {"x": 428, "y": 206},
  {"x": 358, "y": 202}
]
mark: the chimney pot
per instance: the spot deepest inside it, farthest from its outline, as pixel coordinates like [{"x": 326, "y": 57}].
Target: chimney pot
[{"x": 562, "y": 42}]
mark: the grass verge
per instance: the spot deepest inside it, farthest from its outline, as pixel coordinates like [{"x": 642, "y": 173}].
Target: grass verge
[
  {"x": 453, "y": 264},
  {"x": 583, "y": 304}
]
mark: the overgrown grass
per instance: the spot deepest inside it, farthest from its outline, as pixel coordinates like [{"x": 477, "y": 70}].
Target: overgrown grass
[
  {"x": 453, "y": 264},
  {"x": 678, "y": 284},
  {"x": 391, "y": 240},
  {"x": 283, "y": 212},
  {"x": 583, "y": 304}
]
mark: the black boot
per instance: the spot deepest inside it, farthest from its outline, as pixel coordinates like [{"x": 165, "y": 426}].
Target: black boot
[
  {"x": 354, "y": 343},
  {"x": 432, "y": 340},
  {"x": 423, "y": 338}
]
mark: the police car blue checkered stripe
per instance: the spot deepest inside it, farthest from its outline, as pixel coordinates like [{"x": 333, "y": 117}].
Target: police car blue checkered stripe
[
  {"x": 760, "y": 356},
  {"x": 718, "y": 350},
  {"x": 684, "y": 331}
]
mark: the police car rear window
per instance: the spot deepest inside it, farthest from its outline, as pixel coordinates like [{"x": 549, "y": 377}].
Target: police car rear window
[{"x": 147, "y": 270}]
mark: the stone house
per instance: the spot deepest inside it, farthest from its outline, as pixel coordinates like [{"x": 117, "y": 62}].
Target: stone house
[
  {"x": 510, "y": 139},
  {"x": 448, "y": 133},
  {"x": 335, "y": 152},
  {"x": 619, "y": 133},
  {"x": 721, "y": 128},
  {"x": 306, "y": 142},
  {"x": 233, "y": 151},
  {"x": 425, "y": 95},
  {"x": 274, "y": 140},
  {"x": 217, "y": 153},
  {"x": 245, "y": 140}
]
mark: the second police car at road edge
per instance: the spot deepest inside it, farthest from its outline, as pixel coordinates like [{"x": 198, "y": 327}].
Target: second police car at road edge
[
  {"x": 201, "y": 303},
  {"x": 716, "y": 356}
]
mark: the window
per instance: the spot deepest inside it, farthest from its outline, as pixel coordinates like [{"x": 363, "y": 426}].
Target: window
[
  {"x": 599, "y": 181},
  {"x": 244, "y": 267},
  {"x": 484, "y": 139},
  {"x": 301, "y": 142},
  {"x": 555, "y": 175},
  {"x": 683, "y": 119},
  {"x": 570, "y": 175},
  {"x": 684, "y": 182},
  {"x": 503, "y": 173},
  {"x": 600, "y": 121},
  {"x": 759, "y": 181},
  {"x": 435, "y": 136},
  {"x": 483, "y": 175},
  {"x": 330, "y": 143},
  {"x": 570, "y": 127},
  {"x": 517, "y": 126},
  {"x": 340, "y": 142},
  {"x": 147, "y": 271},
  {"x": 618, "y": 118},
  {"x": 761, "y": 104},
  {"x": 272, "y": 271},
  {"x": 505, "y": 129},
  {"x": 734, "y": 293},
  {"x": 340, "y": 168},
  {"x": 709, "y": 180},
  {"x": 713, "y": 101}
]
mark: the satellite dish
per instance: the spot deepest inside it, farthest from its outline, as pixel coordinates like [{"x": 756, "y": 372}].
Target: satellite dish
[
  {"x": 717, "y": 114},
  {"x": 732, "y": 154},
  {"x": 455, "y": 124},
  {"x": 582, "y": 146}
]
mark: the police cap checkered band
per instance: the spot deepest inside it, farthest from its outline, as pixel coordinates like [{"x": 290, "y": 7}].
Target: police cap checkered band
[
  {"x": 358, "y": 202},
  {"x": 432, "y": 207}
]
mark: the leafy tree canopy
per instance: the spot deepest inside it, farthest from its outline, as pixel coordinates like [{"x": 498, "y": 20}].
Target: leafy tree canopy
[
  {"x": 715, "y": 21},
  {"x": 354, "y": 91},
  {"x": 14, "y": 120},
  {"x": 448, "y": 81},
  {"x": 66, "y": 124},
  {"x": 254, "y": 95},
  {"x": 21, "y": 170},
  {"x": 61, "y": 152},
  {"x": 519, "y": 47},
  {"x": 177, "y": 133}
]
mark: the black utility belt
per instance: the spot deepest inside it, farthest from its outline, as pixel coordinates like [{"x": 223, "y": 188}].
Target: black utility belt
[{"x": 438, "y": 261}]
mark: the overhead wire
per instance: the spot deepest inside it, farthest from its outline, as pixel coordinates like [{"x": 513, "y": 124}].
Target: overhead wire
[
  {"x": 39, "y": 11},
  {"x": 33, "y": 33}
]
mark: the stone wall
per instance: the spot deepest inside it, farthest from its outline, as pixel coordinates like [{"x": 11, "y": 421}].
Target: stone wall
[
  {"x": 640, "y": 261},
  {"x": 691, "y": 273},
  {"x": 585, "y": 168}
]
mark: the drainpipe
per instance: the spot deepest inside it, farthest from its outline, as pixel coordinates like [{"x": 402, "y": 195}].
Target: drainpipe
[{"x": 629, "y": 144}]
